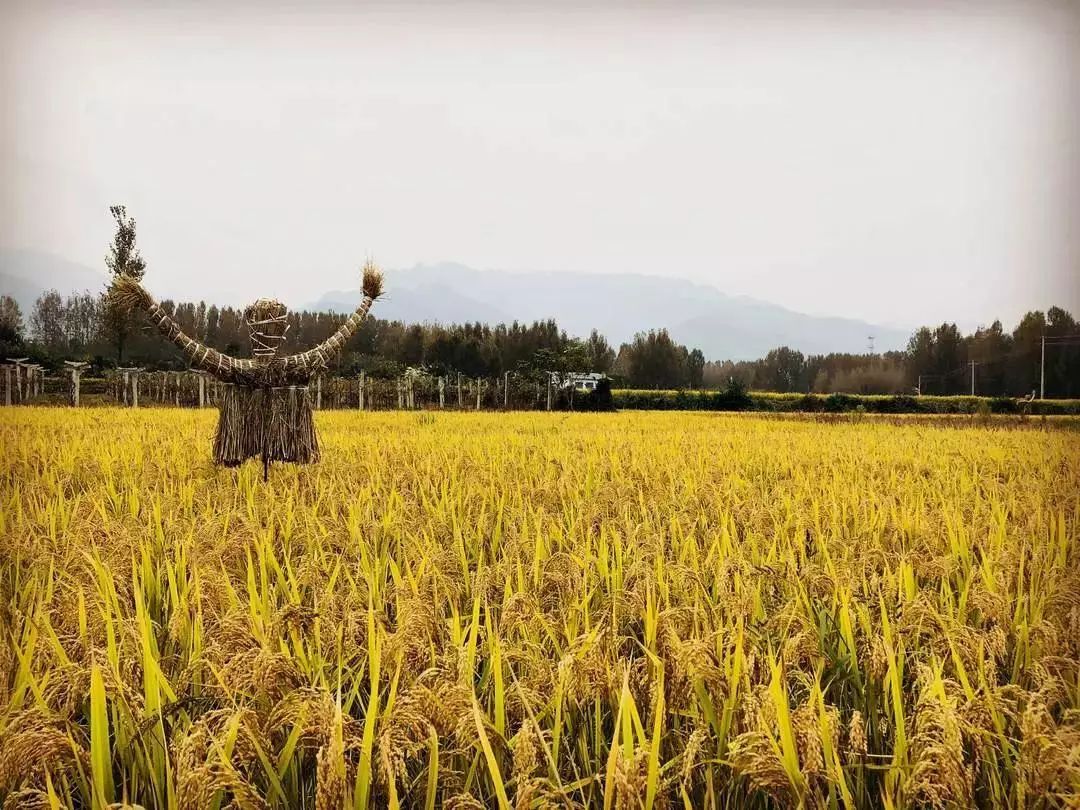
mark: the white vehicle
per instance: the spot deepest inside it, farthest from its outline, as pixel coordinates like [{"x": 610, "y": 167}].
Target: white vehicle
[{"x": 582, "y": 381}]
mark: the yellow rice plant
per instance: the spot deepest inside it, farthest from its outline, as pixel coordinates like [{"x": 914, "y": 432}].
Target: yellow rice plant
[{"x": 636, "y": 610}]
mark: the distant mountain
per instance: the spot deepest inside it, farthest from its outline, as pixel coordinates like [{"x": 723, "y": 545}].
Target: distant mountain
[
  {"x": 26, "y": 274},
  {"x": 722, "y": 326}
]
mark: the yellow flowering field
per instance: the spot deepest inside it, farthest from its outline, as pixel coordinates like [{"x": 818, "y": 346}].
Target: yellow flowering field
[{"x": 540, "y": 610}]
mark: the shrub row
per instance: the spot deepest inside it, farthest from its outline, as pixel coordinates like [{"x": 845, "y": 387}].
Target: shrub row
[{"x": 735, "y": 400}]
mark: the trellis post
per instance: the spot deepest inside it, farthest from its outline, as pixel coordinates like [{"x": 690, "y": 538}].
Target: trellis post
[
  {"x": 19, "y": 362},
  {"x": 75, "y": 367},
  {"x": 131, "y": 377},
  {"x": 31, "y": 381}
]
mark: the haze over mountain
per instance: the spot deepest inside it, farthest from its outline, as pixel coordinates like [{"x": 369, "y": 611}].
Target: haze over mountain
[
  {"x": 699, "y": 315},
  {"x": 722, "y": 326},
  {"x": 26, "y": 274}
]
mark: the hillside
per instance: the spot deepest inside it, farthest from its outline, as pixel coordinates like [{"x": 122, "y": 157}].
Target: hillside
[{"x": 722, "y": 326}]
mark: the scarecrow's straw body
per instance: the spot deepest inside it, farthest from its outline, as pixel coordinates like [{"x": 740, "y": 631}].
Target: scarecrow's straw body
[{"x": 275, "y": 424}]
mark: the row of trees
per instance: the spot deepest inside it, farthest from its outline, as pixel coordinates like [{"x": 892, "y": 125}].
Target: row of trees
[
  {"x": 937, "y": 361},
  {"x": 76, "y": 327}
]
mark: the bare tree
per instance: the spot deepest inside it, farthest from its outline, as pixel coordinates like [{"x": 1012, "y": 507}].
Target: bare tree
[
  {"x": 82, "y": 320},
  {"x": 47, "y": 322}
]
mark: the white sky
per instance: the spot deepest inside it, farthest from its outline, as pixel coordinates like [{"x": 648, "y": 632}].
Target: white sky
[{"x": 895, "y": 162}]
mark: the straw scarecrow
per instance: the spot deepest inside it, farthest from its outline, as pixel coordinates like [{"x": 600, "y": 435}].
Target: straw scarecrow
[{"x": 265, "y": 408}]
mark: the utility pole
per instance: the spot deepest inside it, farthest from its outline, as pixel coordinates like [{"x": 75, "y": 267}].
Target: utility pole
[{"x": 1042, "y": 370}]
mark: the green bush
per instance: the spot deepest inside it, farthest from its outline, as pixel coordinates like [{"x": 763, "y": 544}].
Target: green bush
[{"x": 736, "y": 398}]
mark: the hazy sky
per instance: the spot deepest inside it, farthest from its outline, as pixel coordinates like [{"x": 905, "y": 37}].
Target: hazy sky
[{"x": 903, "y": 163}]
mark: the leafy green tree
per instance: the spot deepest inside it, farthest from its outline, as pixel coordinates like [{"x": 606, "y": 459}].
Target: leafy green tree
[
  {"x": 784, "y": 370},
  {"x": 654, "y": 360},
  {"x": 1023, "y": 373},
  {"x": 601, "y": 357},
  {"x": 123, "y": 260},
  {"x": 695, "y": 368},
  {"x": 11, "y": 327}
]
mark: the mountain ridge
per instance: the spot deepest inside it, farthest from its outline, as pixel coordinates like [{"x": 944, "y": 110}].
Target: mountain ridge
[
  {"x": 619, "y": 305},
  {"x": 616, "y": 304}
]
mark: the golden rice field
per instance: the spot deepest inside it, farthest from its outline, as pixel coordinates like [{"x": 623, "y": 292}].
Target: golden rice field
[{"x": 536, "y": 610}]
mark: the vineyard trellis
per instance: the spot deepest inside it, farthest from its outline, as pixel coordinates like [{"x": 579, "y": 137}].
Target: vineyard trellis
[{"x": 28, "y": 384}]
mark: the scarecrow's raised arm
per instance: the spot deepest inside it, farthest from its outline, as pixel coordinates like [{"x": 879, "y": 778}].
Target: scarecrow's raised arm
[
  {"x": 318, "y": 357},
  {"x": 128, "y": 294}
]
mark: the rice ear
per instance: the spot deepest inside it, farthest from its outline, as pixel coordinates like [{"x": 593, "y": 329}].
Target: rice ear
[
  {"x": 127, "y": 294},
  {"x": 373, "y": 281}
]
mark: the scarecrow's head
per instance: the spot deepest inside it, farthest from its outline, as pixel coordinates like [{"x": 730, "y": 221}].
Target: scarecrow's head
[{"x": 266, "y": 325}]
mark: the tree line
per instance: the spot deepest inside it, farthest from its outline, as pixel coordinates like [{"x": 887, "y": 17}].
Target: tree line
[{"x": 939, "y": 360}]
